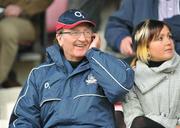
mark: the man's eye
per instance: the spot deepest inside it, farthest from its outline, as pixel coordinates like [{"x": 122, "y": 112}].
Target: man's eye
[
  {"x": 74, "y": 33},
  {"x": 88, "y": 33}
]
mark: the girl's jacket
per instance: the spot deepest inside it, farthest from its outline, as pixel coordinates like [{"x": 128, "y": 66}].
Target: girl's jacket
[
  {"x": 56, "y": 95},
  {"x": 156, "y": 94}
]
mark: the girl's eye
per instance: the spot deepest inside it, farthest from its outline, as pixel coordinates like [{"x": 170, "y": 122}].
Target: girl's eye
[
  {"x": 170, "y": 37},
  {"x": 160, "y": 38}
]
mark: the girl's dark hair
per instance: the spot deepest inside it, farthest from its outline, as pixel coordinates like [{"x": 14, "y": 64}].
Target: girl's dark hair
[{"x": 143, "y": 34}]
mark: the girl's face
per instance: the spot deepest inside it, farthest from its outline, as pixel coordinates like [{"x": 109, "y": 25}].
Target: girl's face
[{"x": 162, "y": 48}]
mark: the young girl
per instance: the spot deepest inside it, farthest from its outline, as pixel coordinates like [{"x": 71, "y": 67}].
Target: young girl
[{"x": 154, "y": 102}]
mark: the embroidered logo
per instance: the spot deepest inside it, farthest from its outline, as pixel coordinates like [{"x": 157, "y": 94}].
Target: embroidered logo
[
  {"x": 91, "y": 79},
  {"x": 79, "y": 14}
]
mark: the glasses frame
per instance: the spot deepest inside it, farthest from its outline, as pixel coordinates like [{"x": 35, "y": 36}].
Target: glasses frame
[{"x": 77, "y": 34}]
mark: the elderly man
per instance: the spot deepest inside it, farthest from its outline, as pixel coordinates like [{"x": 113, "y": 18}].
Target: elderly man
[{"x": 77, "y": 85}]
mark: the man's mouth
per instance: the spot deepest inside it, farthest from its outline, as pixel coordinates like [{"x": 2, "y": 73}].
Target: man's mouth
[{"x": 80, "y": 45}]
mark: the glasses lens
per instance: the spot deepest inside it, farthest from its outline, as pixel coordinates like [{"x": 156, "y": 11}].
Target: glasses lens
[
  {"x": 77, "y": 34},
  {"x": 87, "y": 34}
]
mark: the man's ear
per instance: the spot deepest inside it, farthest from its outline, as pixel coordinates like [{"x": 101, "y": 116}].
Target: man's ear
[{"x": 58, "y": 37}]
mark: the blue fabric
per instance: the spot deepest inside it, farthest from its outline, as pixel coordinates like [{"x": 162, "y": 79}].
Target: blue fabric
[{"x": 55, "y": 95}]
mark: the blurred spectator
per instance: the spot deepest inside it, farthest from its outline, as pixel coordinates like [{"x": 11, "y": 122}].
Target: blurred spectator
[
  {"x": 154, "y": 102},
  {"x": 131, "y": 12},
  {"x": 16, "y": 28}
]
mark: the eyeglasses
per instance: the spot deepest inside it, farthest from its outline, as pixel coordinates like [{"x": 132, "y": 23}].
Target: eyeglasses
[{"x": 77, "y": 34}]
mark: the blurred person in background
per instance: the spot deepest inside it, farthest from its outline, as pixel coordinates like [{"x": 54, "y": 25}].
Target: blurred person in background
[
  {"x": 131, "y": 12},
  {"x": 16, "y": 28}
]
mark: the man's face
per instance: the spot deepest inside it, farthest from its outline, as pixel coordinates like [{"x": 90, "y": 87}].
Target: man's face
[{"x": 75, "y": 42}]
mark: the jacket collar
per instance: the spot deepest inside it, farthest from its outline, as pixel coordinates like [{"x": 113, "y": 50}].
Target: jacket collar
[
  {"x": 146, "y": 78},
  {"x": 54, "y": 54}
]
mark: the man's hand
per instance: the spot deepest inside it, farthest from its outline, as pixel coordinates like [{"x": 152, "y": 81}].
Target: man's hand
[
  {"x": 126, "y": 47},
  {"x": 12, "y": 10},
  {"x": 177, "y": 126},
  {"x": 96, "y": 41}
]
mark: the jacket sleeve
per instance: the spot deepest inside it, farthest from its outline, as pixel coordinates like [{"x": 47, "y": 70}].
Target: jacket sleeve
[
  {"x": 166, "y": 122},
  {"x": 174, "y": 23},
  {"x": 131, "y": 108},
  {"x": 26, "y": 112},
  {"x": 119, "y": 25},
  {"x": 112, "y": 74}
]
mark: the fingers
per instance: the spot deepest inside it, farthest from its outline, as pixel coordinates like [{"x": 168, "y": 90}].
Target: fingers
[
  {"x": 96, "y": 41},
  {"x": 126, "y": 48}
]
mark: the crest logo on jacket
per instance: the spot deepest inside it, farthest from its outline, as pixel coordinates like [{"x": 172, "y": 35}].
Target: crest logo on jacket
[{"x": 91, "y": 79}]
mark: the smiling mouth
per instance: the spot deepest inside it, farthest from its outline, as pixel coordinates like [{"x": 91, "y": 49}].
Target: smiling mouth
[{"x": 80, "y": 45}]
